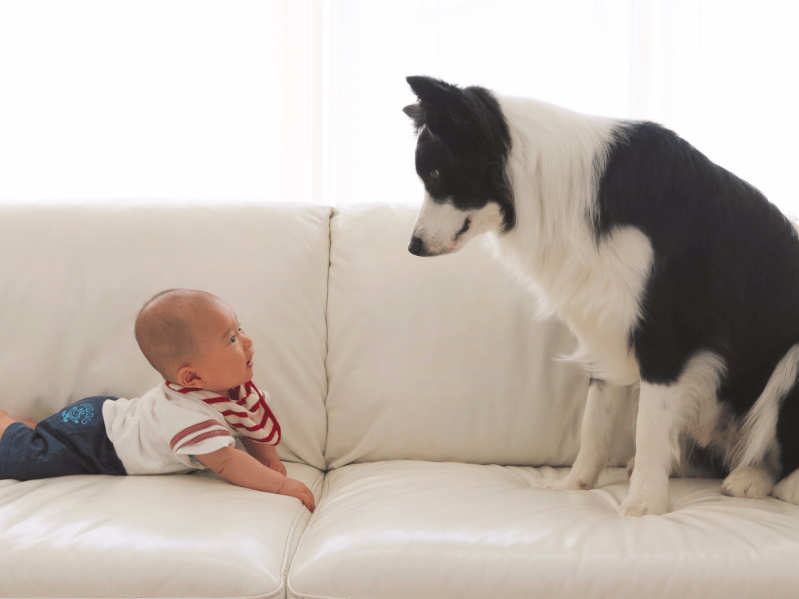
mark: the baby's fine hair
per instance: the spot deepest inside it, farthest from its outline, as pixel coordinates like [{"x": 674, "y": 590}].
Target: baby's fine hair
[{"x": 163, "y": 331}]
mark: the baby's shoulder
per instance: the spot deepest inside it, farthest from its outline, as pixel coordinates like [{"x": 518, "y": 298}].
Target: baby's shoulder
[{"x": 173, "y": 400}]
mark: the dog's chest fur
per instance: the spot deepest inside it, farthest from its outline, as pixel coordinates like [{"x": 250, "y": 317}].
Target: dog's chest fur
[
  {"x": 596, "y": 290},
  {"x": 595, "y": 286}
]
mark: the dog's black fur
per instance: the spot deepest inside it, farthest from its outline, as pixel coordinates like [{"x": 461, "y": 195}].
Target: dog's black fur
[{"x": 725, "y": 270}]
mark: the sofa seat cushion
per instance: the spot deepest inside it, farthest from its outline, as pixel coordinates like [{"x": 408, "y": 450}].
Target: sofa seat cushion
[
  {"x": 392, "y": 530},
  {"x": 148, "y": 536}
]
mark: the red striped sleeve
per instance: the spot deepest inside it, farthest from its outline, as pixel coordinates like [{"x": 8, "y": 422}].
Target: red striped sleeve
[
  {"x": 194, "y": 429},
  {"x": 205, "y": 436}
]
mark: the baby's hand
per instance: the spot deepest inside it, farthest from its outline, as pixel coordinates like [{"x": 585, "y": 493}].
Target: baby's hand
[{"x": 295, "y": 488}]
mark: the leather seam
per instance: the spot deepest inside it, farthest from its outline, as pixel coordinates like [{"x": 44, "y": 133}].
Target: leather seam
[{"x": 322, "y": 497}]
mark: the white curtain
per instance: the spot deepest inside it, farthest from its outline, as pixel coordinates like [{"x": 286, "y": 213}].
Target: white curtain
[
  {"x": 300, "y": 100},
  {"x": 724, "y": 74},
  {"x": 158, "y": 101}
]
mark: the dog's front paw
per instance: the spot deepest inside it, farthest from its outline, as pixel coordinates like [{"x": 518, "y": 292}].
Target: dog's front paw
[
  {"x": 643, "y": 506},
  {"x": 567, "y": 483},
  {"x": 751, "y": 482}
]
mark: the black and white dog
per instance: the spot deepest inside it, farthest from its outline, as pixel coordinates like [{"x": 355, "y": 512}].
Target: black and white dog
[{"x": 679, "y": 280}]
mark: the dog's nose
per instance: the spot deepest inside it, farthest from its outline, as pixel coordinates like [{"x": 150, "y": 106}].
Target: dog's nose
[{"x": 415, "y": 246}]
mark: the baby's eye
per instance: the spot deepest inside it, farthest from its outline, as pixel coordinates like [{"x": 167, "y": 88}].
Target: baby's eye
[{"x": 233, "y": 339}]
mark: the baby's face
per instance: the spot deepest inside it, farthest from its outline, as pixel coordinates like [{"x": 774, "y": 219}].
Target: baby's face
[{"x": 224, "y": 358}]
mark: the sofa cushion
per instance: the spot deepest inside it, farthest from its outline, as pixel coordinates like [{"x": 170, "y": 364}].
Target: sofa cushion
[
  {"x": 393, "y": 530},
  {"x": 442, "y": 358},
  {"x": 73, "y": 279},
  {"x": 148, "y": 536}
]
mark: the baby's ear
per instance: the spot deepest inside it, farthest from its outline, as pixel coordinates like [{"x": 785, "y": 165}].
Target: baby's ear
[{"x": 188, "y": 377}]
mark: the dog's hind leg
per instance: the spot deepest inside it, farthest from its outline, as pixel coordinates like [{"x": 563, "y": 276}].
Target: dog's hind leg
[
  {"x": 754, "y": 482},
  {"x": 771, "y": 442},
  {"x": 602, "y": 409},
  {"x": 788, "y": 433}
]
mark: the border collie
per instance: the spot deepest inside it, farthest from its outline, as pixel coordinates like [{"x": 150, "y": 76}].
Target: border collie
[{"x": 679, "y": 280}]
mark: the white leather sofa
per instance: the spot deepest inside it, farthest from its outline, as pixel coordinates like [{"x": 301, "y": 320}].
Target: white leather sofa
[{"x": 419, "y": 400}]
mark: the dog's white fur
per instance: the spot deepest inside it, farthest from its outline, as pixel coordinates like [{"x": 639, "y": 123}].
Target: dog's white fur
[
  {"x": 761, "y": 421},
  {"x": 597, "y": 289},
  {"x": 664, "y": 412},
  {"x": 551, "y": 248}
]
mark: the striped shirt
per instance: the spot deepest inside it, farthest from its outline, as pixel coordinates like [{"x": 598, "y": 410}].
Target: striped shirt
[
  {"x": 162, "y": 431},
  {"x": 248, "y": 413}
]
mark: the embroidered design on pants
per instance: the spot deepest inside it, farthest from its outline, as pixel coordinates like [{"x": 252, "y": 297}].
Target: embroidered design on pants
[{"x": 80, "y": 414}]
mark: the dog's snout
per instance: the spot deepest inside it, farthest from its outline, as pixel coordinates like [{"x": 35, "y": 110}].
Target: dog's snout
[{"x": 415, "y": 246}]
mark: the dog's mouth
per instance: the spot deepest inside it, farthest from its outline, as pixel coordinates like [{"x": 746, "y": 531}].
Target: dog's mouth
[
  {"x": 419, "y": 248},
  {"x": 466, "y": 224}
]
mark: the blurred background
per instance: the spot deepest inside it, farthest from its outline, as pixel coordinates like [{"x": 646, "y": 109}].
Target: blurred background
[{"x": 174, "y": 101}]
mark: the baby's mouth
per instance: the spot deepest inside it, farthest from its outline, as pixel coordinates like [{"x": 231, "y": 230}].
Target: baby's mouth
[{"x": 249, "y": 362}]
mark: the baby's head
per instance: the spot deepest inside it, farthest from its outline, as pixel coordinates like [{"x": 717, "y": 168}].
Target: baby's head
[{"x": 194, "y": 339}]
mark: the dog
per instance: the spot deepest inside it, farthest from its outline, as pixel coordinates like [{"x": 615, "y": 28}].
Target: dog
[{"x": 679, "y": 281}]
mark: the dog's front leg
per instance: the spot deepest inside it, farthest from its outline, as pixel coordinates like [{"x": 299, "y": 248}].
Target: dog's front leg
[
  {"x": 599, "y": 420},
  {"x": 656, "y": 448}
]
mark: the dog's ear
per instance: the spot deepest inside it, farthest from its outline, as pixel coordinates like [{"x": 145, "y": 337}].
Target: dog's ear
[
  {"x": 416, "y": 113},
  {"x": 428, "y": 89},
  {"x": 441, "y": 105}
]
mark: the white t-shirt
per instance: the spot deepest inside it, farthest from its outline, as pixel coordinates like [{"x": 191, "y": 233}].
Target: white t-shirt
[{"x": 159, "y": 432}]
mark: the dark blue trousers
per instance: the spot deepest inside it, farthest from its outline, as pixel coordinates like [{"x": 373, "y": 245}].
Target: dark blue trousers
[{"x": 72, "y": 441}]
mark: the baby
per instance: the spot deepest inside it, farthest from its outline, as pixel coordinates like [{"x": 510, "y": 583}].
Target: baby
[{"x": 188, "y": 422}]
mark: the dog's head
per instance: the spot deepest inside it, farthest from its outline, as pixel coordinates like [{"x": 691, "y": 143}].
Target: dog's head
[{"x": 461, "y": 154}]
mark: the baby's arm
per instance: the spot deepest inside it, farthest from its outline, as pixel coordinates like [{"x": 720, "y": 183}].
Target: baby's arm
[
  {"x": 240, "y": 468},
  {"x": 266, "y": 454}
]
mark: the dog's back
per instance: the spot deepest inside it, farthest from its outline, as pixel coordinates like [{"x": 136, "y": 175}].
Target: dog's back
[{"x": 725, "y": 276}]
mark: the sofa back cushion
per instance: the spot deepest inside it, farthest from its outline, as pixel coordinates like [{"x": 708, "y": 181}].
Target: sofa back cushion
[
  {"x": 72, "y": 280},
  {"x": 441, "y": 358}
]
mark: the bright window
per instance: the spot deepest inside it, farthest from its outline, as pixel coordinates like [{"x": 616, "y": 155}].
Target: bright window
[{"x": 300, "y": 100}]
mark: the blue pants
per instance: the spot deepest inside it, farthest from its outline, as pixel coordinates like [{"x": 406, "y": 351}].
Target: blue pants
[{"x": 72, "y": 441}]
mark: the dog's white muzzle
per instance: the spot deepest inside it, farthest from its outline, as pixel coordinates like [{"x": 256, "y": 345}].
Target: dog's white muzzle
[{"x": 441, "y": 228}]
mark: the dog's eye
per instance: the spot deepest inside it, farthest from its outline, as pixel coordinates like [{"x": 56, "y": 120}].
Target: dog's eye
[{"x": 434, "y": 174}]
